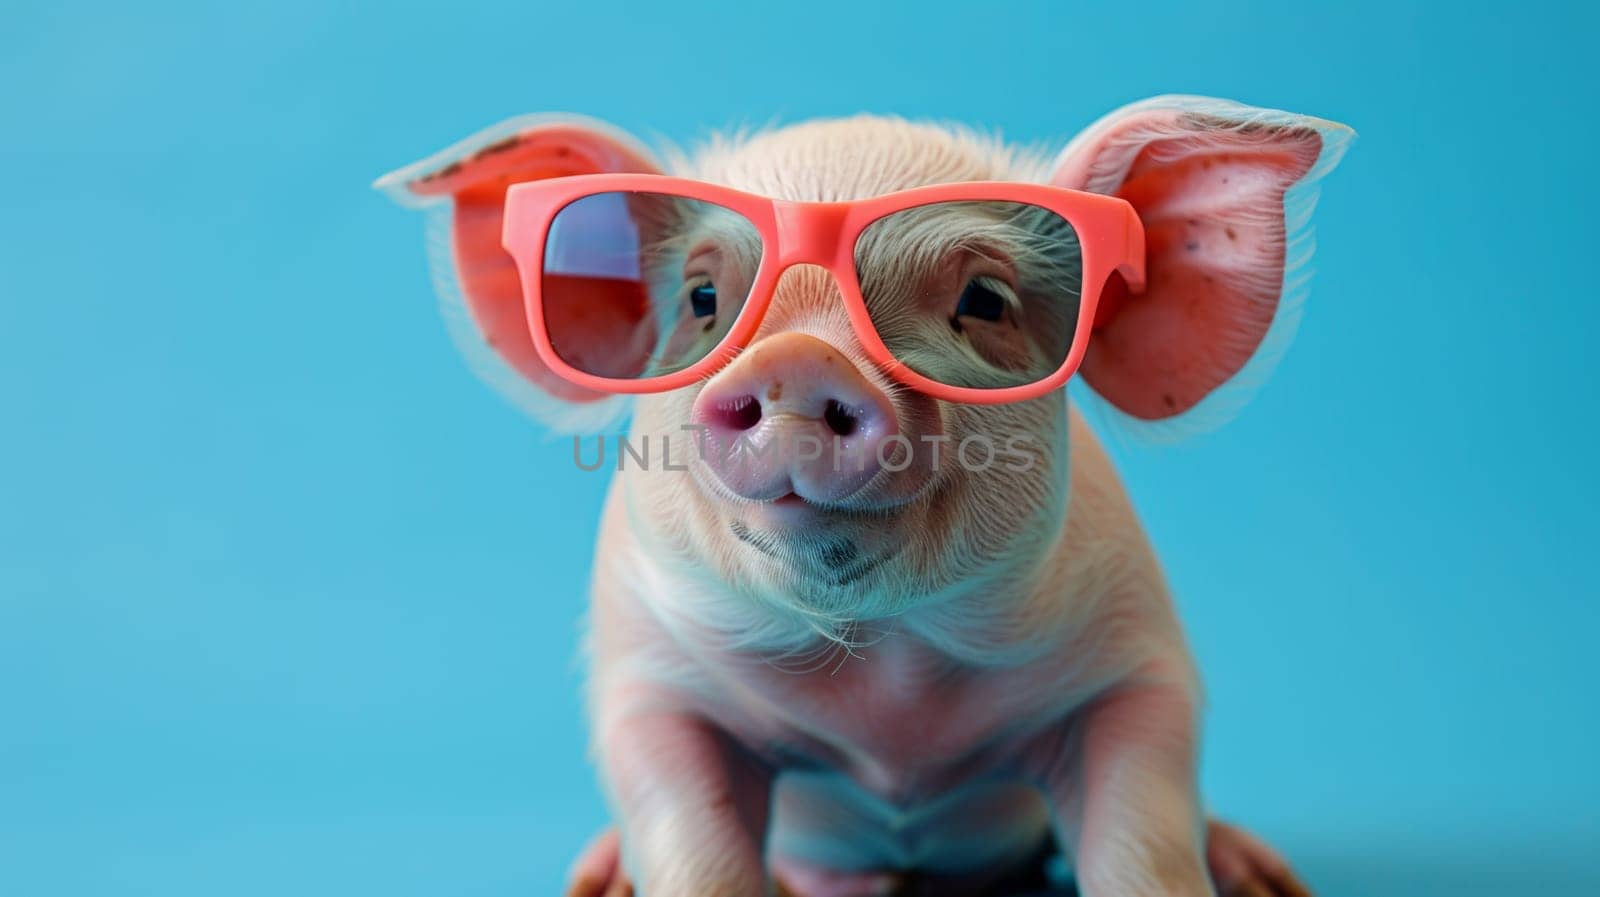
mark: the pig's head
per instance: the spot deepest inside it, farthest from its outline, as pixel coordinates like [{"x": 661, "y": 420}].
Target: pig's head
[{"x": 800, "y": 474}]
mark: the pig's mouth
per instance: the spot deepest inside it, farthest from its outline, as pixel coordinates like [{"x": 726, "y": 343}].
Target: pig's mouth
[{"x": 836, "y": 560}]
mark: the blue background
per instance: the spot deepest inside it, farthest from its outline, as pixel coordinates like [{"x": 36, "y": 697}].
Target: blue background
[{"x": 288, "y": 600}]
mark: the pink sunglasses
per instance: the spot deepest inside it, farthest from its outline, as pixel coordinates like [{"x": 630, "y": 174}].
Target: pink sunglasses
[{"x": 982, "y": 292}]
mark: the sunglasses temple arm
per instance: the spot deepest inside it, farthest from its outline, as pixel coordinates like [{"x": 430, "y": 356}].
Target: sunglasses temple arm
[{"x": 1132, "y": 266}]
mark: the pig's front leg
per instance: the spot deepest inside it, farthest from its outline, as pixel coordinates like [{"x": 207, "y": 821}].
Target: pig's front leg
[
  {"x": 1125, "y": 795},
  {"x": 691, "y": 807}
]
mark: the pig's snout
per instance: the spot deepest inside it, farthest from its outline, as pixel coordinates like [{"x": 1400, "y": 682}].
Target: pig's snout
[{"x": 793, "y": 415}]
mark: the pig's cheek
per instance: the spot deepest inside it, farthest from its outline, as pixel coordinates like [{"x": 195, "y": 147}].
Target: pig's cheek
[
  {"x": 1010, "y": 463},
  {"x": 663, "y": 493},
  {"x": 915, "y": 460}
]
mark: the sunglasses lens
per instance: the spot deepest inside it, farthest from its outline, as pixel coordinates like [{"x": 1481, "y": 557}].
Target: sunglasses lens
[
  {"x": 982, "y": 295},
  {"x": 640, "y": 285}
]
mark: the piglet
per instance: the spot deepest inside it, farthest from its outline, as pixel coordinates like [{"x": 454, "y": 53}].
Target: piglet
[{"x": 908, "y": 678}]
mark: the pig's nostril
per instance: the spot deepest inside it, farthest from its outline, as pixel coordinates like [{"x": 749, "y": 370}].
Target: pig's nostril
[
  {"x": 741, "y": 413},
  {"x": 841, "y": 420}
]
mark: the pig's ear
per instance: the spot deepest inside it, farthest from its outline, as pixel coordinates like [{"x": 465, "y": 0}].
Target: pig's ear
[
  {"x": 1225, "y": 193},
  {"x": 463, "y": 189}
]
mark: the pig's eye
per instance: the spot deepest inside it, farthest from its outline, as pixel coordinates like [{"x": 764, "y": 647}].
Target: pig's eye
[
  {"x": 703, "y": 300},
  {"x": 983, "y": 299}
]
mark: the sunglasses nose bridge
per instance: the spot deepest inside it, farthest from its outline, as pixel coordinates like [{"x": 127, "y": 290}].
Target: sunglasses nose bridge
[{"x": 808, "y": 232}]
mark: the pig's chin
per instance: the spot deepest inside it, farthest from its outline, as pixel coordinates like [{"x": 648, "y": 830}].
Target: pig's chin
[{"x": 792, "y": 541}]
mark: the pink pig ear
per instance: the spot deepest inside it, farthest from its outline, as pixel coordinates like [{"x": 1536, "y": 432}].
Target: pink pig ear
[
  {"x": 463, "y": 188},
  {"x": 1225, "y": 193}
]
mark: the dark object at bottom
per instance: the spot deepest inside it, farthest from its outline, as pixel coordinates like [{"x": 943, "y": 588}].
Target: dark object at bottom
[{"x": 1044, "y": 875}]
